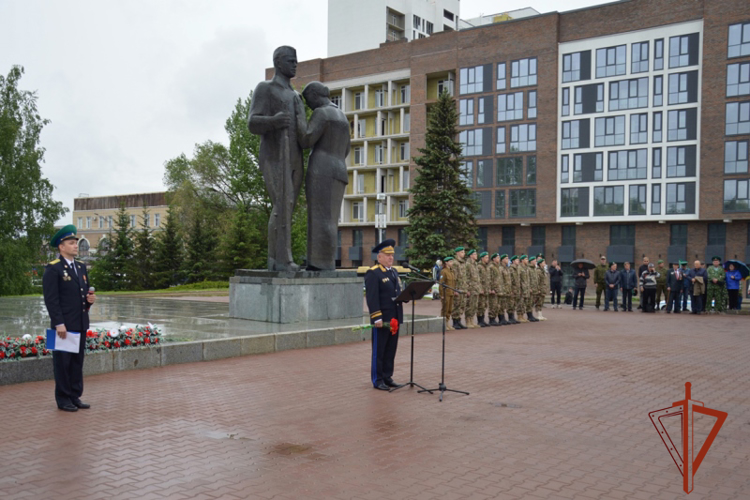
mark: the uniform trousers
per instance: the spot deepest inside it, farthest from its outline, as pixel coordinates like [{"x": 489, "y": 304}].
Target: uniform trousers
[{"x": 384, "y": 345}]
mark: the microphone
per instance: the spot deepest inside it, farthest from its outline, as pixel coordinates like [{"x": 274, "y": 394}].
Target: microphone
[
  {"x": 91, "y": 289},
  {"x": 91, "y": 292},
  {"x": 416, "y": 270}
]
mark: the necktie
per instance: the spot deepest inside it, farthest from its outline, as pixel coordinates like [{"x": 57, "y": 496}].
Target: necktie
[{"x": 73, "y": 266}]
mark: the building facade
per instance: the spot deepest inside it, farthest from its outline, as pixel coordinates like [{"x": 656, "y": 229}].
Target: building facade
[
  {"x": 618, "y": 130},
  {"x": 355, "y": 26},
  {"x": 95, "y": 217}
]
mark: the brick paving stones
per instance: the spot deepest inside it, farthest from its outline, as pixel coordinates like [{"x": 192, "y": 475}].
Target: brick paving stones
[{"x": 558, "y": 410}]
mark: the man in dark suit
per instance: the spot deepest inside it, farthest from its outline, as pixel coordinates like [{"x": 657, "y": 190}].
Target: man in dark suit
[
  {"x": 674, "y": 288},
  {"x": 382, "y": 286},
  {"x": 65, "y": 285}
]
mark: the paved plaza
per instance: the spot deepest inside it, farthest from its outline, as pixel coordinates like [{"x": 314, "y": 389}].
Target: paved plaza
[{"x": 557, "y": 409}]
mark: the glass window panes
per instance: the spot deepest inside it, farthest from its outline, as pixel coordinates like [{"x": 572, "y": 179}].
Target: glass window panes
[
  {"x": 500, "y": 146},
  {"x": 656, "y": 199},
  {"x": 678, "y": 88},
  {"x": 639, "y": 57},
  {"x": 571, "y": 134},
  {"x": 501, "y": 77},
  {"x": 523, "y": 137},
  {"x": 656, "y": 164},
  {"x": 500, "y": 204},
  {"x": 628, "y": 94},
  {"x": 680, "y": 51},
  {"x": 530, "y": 170},
  {"x": 523, "y": 202},
  {"x": 624, "y": 165},
  {"x": 532, "y": 104},
  {"x": 484, "y": 173},
  {"x": 610, "y": 61},
  {"x": 678, "y": 234},
  {"x": 569, "y": 202},
  {"x": 609, "y": 131},
  {"x": 735, "y": 157},
  {"x": 736, "y": 195},
  {"x": 637, "y": 200},
  {"x": 565, "y": 101},
  {"x": 639, "y": 128},
  {"x": 738, "y": 118},
  {"x": 510, "y": 107},
  {"x": 523, "y": 72},
  {"x": 480, "y": 112},
  {"x": 609, "y": 200},
  {"x": 564, "y": 169},
  {"x": 589, "y": 99},
  {"x": 509, "y": 236},
  {"x": 466, "y": 112},
  {"x": 658, "y": 90},
  {"x": 659, "y": 54},
  {"x": 676, "y": 200},
  {"x": 739, "y": 40},
  {"x": 572, "y": 67},
  {"x": 471, "y": 140},
  {"x": 657, "y": 126},
  {"x": 471, "y": 80},
  {"x": 622, "y": 234},
  {"x": 467, "y": 173},
  {"x": 509, "y": 171},
  {"x": 738, "y": 79},
  {"x": 717, "y": 233},
  {"x": 568, "y": 236},
  {"x": 588, "y": 167},
  {"x": 680, "y": 161},
  {"x": 678, "y": 128}
]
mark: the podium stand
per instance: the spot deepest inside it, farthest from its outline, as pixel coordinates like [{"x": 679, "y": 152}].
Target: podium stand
[{"x": 415, "y": 290}]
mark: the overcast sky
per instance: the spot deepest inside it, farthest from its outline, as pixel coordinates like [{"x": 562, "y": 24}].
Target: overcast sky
[{"x": 128, "y": 85}]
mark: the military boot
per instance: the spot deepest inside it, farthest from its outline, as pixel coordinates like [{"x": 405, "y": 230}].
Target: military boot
[
  {"x": 531, "y": 317},
  {"x": 448, "y": 326},
  {"x": 481, "y": 322},
  {"x": 470, "y": 322},
  {"x": 539, "y": 315},
  {"x": 493, "y": 321},
  {"x": 503, "y": 321},
  {"x": 457, "y": 325},
  {"x": 521, "y": 319}
]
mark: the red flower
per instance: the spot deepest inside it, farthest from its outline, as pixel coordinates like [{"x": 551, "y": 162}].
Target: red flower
[
  {"x": 106, "y": 344},
  {"x": 156, "y": 340},
  {"x": 34, "y": 351},
  {"x": 117, "y": 344},
  {"x": 147, "y": 340},
  {"x": 128, "y": 341},
  {"x": 394, "y": 326},
  {"x": 140, "y": 334},
  {"x": 23, "y": 351},
  {"x": 45, "y": 352},
  {"x": 2, "y": 355}
]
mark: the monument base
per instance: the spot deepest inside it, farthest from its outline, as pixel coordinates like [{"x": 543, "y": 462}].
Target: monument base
[{"x": 295, "y": 297}]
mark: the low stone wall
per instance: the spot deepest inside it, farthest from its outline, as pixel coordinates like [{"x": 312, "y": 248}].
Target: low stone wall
[{"x": 36, "y": 369}]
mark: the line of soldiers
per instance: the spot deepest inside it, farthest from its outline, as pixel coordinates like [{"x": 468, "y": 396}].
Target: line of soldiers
[{"x": 510, "y": 290}]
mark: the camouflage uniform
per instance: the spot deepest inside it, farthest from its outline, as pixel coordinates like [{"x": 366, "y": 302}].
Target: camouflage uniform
[
  {"x": 459, "y": 303},
  {"x": 542, "y": 287},
  {"x": 716, "y": 291},
  {"x": 506, "y": 291},
  {"x": 599, "y": 273},
  {"x": 516, "y": 296},
  {"x": 484, "y": 292},
  {"x": 474, "y": 286},
  {"x": 525, "y": 301},
  {"x": 661, "y": 284},
  {"x": 494, "y": 285}
]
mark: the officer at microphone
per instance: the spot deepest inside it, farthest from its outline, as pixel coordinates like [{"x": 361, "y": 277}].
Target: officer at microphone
[{"x": 68, "y": 297}]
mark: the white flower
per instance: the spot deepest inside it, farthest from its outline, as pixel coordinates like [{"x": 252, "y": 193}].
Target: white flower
[
  {"x": 26, "y": 337},
  {"x": 113, "y": 333}
]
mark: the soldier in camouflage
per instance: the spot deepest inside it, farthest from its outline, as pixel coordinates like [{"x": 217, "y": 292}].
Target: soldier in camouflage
[
  {"x": 484, "y": 292},
  {"x": 505, "y": 301},
  {"x": 517, "y": 295},
  {"x": 459, "y": 302},
  {"x": 716, "y": 298},
  {"x": 543, "y": 286},
  {"x": 474, "y": 288},
  {"x": 493, "y": 299},
  {"x": 528, "y": 292}
]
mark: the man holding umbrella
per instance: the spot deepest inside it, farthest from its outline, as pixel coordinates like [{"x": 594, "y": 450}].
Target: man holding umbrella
[{"x": 581, "y": 274}]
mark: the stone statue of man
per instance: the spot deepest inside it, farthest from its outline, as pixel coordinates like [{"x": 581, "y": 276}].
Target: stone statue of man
[
  {"x": 273, "y": 115},
  {"x": 327, "y": 134}
]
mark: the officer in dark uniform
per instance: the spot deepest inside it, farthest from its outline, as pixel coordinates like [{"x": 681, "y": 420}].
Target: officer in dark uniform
[
  {"x": 382, "y": 286},
  {"x": 65, "y": 285}
]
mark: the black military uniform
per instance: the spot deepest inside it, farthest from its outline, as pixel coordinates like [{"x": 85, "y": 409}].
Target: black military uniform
[
  {"x": 65, "y": 289},
  {"x": 382, "y": 286}
]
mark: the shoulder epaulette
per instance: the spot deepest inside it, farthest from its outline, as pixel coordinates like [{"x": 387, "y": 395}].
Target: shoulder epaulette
[
  {"x": 374, "y": 267},
  {"x": 55, "y": 261}
]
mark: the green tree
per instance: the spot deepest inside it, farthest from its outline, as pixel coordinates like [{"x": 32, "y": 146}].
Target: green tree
[
  {"x": 143, "y": 277},
  {"x": 240, "y": 249},
  {"x": 442, "y": 214},
  {"x": 169, "y": 253},
  {"x": 27, "y": 210},
  {"x": 116, "y": 268},
  {"x": 201, "y": 262}
]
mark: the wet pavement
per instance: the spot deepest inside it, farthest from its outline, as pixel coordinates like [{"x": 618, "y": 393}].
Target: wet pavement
[{"x": 557, "y": 410}]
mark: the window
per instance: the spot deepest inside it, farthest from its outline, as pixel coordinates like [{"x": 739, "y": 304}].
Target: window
[
  {"x": 157, "y": 220},
  {"x": 575, "y": 134},
  {"x": 403, "y": 237},
  {"x": 609, "y": 131},
  {"x": 577, "y": 66},
  {"x": 678, "y": 234},
  {"x": 681, "y": 125},
  {"x": 610, "y": 61},
  {"x": 482, "y": 237},
  {"x": 509, "y": 171},
  {"x": 499, "y": 204},
  {"x": 428, "y": 27},
  {"x": 538, "y": 235},
  {"x": 501, "y": 77},
  {"x": 403, "y": 208},
  {"x": 738, "y": 79},
  {"x": 656, "y": 199},
  {"x": 109, "y": 221},
  {"x": 471, "y": 80},
  {"x": 532, "y": 104},
  {"x": 523, "y": 73},
  {"x": 589, "y": 99},
  {"x": 360, "y": 187},
  {"x": 628, "y": 94},
  {"x": 739, "y": 40},
  {"x": 574, "y": 202},
  {"x": 404, "y": 151},
  {"x": 379, "y": 154},
  {"x": 358, "y": 100},
  {"x": 717, "y": 233},
  {"x": 88, "y": 222},
  {"x": 658, "y": 90},
  {"x": 101, "y": 222},
  {"x": 622, "y": 234},
  {"x": 357, "y": 212},
  {"x": 568, "y": 236},
  {"x": 736, "y": 195},
  {"x": 467, "y": 173},
  {"x": 357, "y": 238},
  {"x": 405, "y": 94},
  {"x": 510, "y": 107},
  {"x": 639, "y": 128},
  {"x": 681, "y": 161},
  {"x": 609, "y": 200},
  {"x": 677, "y": 198},
  {"x": 147, "y": 220},
  {"x": 657, "y": 127},
  {"x": 564, "y": 169},
  {"x": 466, "y": 112},
  {"x": 448, "y": 14},
  {"x": 509, "y": 236},
  {"x": 587, "y": 167},
  {"x": 523, "y": 202},
  {"x": 405, "y": 179},
  {"x": 656, "y": 164},
  {"x": 530, "y": 170},
  {"x": 523, "y": 137},
  {"x": 637, "y": 200},
  {"x": 407, "y": 122},
  {"x": 484, "y": 103},
  {"x": 500, "y": 147},
  {"x": 471, "y": 140},
  {"x": 683, "y": 87},
  {"x": 565, "y": 101},
  {"x": 639, "y": 57},
  {"x": 625, "y": 165},
  {"x": 738, "y": 118},
  {"x": 379, "y": 98},
  {"x": 361, "y": 128},
  {"x": 445, "y": 86},
  {"x": 358, "y": 156},
  {"x": 417, "y": 22},
  {"x": 659, "y": 54},
  {"x": 336, "y": 99},
  {"x": 735, "y": 157},
  {"x": 683, "y": 50},
  {"x": 484, "y": 173}
]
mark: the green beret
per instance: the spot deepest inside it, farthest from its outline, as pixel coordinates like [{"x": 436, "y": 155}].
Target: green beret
[
  {"x": 540, "y": 255},
  {"x": 660, "y": 261},
  {"x": 447, "y": 259},
  {"x": 494, "y": 255},
  {"x": 716, "y": 258},
  {"x": 540, "y": 259},
  {"x": 531, "y": 259},
  {"x": 515, "y": 257},
  {"x": 524, "y": 257},
  {"x": 66, "y": 233},
  {"x": 483, "y": 254},
  {"x": 470, "y": 252},
  {"x": 612, "y": 263},
  {"x": 458, "y": 249},
  {"x": 505, "y": 255},
  {"x": 683, "y": 263}
]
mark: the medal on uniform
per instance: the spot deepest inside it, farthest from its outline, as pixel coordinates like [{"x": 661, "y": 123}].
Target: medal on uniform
[{"x": 65, "y": 275}]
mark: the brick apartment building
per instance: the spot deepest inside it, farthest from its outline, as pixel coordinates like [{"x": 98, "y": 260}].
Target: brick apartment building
[{"x": 618, "y": 130}]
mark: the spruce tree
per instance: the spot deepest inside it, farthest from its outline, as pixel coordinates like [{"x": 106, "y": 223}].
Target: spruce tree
[
  {"x": 442, "y": 213},
  {"x": 169, "y": 254},
  {"x": 240, "y": 247},
  {"x": 144, "y": 278},
  {"x": 116, "y": 268},
  {"x": 200, "y": 263}
]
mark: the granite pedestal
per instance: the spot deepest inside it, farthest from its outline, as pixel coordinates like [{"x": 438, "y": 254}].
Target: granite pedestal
[{"x": 295, "y": 297}]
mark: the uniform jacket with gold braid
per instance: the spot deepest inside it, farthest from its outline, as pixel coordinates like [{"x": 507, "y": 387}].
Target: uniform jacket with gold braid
[
  {"x": 381, "y": 288},
  {"x": 65, "y": 293}
]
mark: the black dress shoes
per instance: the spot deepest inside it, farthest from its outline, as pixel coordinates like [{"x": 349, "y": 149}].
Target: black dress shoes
[
  {"x": 68, "y": 407},
  {"x": 383, "y": 387},
  {"x": 391, "y": 383},
  {"x": 80, "y": 404}
]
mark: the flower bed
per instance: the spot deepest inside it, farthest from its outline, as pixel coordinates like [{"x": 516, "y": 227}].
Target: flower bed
[{"x": 96, "y": 340}]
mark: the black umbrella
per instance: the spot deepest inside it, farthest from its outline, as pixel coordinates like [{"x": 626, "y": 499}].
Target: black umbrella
[
  {"x": 738, "y": 265},
  {"x": 586, "y": 263}
]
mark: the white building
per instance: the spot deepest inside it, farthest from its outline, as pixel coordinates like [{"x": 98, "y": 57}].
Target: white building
[
  {"x": 497, "y": 18},
  {"x": 357, "y": 25}
]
